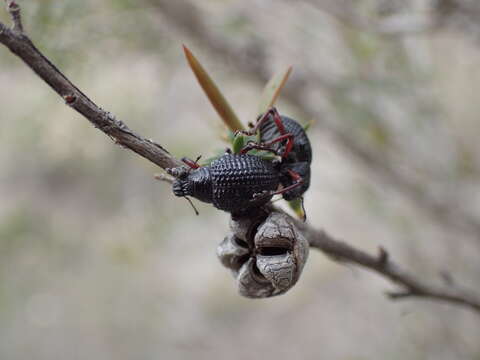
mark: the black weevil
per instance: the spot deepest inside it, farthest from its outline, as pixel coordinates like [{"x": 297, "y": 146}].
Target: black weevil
[
  {"x": 238, "y": 183},
  {"x": 235, "y": 183},
  {"x": 296, "y": 151}
]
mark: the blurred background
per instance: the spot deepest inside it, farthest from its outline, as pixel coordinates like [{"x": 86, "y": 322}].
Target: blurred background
[{"x": 99, "y": 261}]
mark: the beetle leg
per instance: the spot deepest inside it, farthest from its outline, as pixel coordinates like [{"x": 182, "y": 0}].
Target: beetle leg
[
  {"x": 190, "y": 163},
  {"x": 252, "y": 145},
  {"x": 289, "y": 137},
  {"x": 266, "y": 146},
  {"x": 253, "y": 129},
  {"x": 295, "y": 176},
  {"x": 278, "y": 121},
  {"x": 281, "y": 129},
  {"x": 298, "y": 181}
]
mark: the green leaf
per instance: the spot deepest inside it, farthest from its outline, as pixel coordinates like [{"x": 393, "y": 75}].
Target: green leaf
[
  {"x": 213, "y": 93},
  {"x": 296, "y": 206},
  {"x": 238, "y": 143},
  {"x": 308, "y": 125},
  {"x": 272, "y": 90}
]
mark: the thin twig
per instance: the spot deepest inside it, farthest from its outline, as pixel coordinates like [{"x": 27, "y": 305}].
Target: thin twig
[
  {"x": 14, "y": 11},
  {"x": 164, "y": 177},
  {"x": 21, "y": 46},
  {"x": 411, "y": 284}
]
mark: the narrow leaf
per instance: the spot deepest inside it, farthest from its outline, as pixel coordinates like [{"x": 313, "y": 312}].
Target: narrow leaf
[
  {"x": 213, "y": 93},
  {"x": 308, "y": 125},
  {"x": 296, "y": 206},
  {"x": 238, "y": 143},
  {"x": 272, "y": 90}
]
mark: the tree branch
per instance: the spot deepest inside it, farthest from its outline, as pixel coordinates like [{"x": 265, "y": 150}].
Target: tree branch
[
  {"x": 21, "y": 46},
  {"x": 14, "y": 11},
  {"x": 412, "y": 285}
]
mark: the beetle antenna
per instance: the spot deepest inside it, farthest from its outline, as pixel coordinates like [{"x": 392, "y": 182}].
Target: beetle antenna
[{"x": 193, "y": 206}]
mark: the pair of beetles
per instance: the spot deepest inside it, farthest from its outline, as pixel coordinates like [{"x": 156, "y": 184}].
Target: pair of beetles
[{"x": 240, "y": 183}]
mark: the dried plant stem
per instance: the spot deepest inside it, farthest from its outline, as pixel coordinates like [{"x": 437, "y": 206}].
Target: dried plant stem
[
  {"x": 21, "y": 46},
  {"x": 409, "y": 281}
]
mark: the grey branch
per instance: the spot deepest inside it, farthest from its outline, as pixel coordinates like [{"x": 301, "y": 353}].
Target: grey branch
[
  {"x": 14, "y": 11},
  {"x": 411, "y": 284},
  {"x": 21, "y": 46},
  {"x": 164, "y": 177}
]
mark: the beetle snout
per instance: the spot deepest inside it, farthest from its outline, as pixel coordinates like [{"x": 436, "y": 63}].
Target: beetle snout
[{"x": 181, "y": 187}]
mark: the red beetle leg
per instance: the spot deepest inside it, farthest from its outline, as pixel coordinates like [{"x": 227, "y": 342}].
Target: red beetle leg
[
  {"x": 190, "y": 163},
  {"x": 298, "y": 181}
]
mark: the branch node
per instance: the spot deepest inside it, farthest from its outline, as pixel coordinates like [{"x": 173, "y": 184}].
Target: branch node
[
  {"x": 164, "y": 177},
  {"x": 70, "y": 99},
  {"x": 383, "y": 255},
  {"x": 14, "y": 11},
  {"x": 395, "y": 295}
]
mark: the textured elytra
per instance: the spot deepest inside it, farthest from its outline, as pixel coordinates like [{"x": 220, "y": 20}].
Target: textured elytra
[
  {"x": 301, "y": 151},
  {"x": 236, "y": 183},
  {"x": 266, "y": 257},
  {"x": 239, "y": 180},
  {"x": 299, "y": 158}
]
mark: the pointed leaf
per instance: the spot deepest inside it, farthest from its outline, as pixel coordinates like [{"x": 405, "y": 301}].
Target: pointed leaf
[
  {"x": 238, "y": 143},
  {"x": 272, "y": 90},
  {"x": 296, "y": 206},
  {"x": 213, "y": 93},
  {"x": 308, "y": 125}
]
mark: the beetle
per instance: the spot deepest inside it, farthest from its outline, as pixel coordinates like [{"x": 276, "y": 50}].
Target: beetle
[
  {"x": 236, "y": 183},
  {"x": 286, "y": 138}
]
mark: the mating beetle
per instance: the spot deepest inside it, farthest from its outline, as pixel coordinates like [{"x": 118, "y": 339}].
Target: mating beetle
[
  {"x": 238, "y": 183},
  {"x": 234, "y": 182},
  {"x": 296, "y": 152}
]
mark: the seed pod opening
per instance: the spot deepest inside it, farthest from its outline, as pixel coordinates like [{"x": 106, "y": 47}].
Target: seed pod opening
[{"x": 266, "y": 257}]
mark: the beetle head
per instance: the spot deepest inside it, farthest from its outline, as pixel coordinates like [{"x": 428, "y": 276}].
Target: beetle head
[{"x": 182, "y": 187}]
